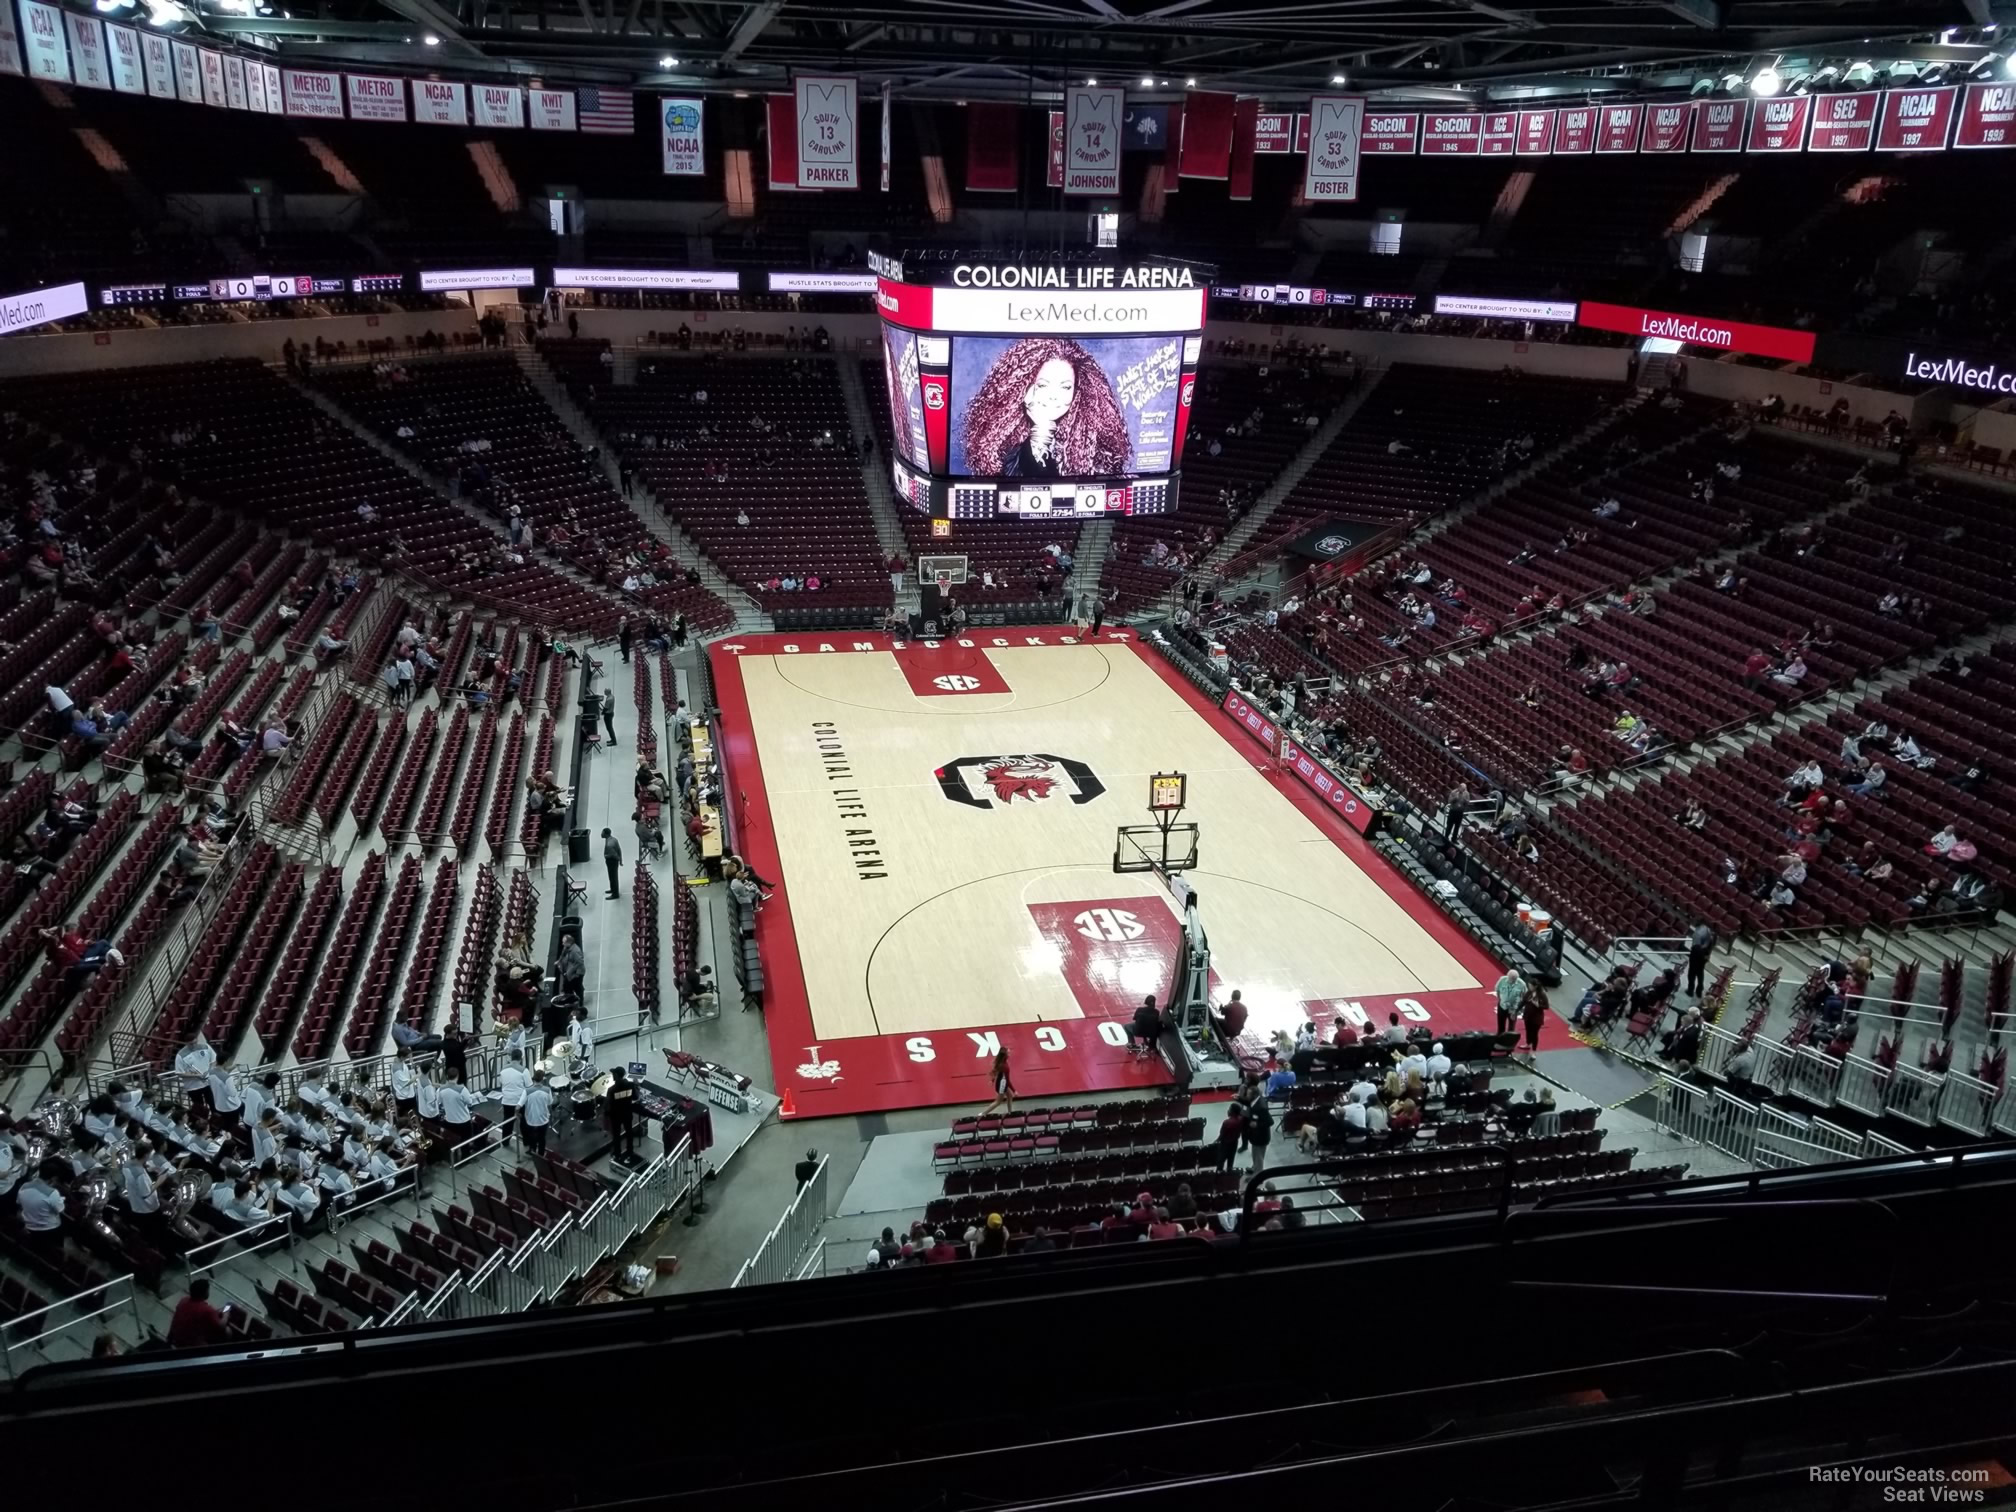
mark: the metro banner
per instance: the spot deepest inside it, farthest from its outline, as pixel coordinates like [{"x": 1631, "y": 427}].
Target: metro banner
[{"x": 1721, "y": 335}]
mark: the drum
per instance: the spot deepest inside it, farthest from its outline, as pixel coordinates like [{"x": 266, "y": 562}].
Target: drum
[
  {"x": 601, "y": 1085},
  {"x": 585, "y": 1103}
]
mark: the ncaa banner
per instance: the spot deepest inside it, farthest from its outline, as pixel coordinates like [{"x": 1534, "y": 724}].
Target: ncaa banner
[
  {"x": 1779, "y": 125},
  {"x": 1666, "y": 127},
  {"x": 1987, "y": 116},
  {"x": 234, "y": 82},
  {"x": 1054, "y": 176},
  {"x": 498, "y": 106},
  {"x": 888, "y": 106},
  {"x": 1916, "y": 120},
  {"x": 43, "y": 42},
  {"x": 1092, "y": 140},
  {"x": 87, "y": 51},
  {"x": 189, "y": 74},
  {"x": 1718, "y": 125},
  {"x": 122, "y": 50},
  {"x": 215, "y": 95},
  {"x": 550, "y": 109},
  {"x": 1617, "y": 127},
  {"x": 1536, "y": 133},
  {"x": 682, "y": 138},
  {"x": 1843, "y": 123},
  {"x": 1575, "y": 131},
  {"x": 828, "y": 131},
  {"x": 272, "y": 72},
  {"x": 255, "y": 89},
  {"x": 1498, "y": 134},
  {"x": 436, "y": 102},
  {"x": 1336, "y": 133},
  {"x": 160, "y": 66}
]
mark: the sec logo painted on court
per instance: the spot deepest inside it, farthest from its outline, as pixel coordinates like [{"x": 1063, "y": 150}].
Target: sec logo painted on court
[
  {"x": 956, "y": 682},
  {"x": 982, "y": 781}
]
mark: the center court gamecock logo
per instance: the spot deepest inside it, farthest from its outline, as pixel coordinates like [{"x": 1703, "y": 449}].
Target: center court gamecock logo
[
  {"x": 816, "y": 1069},
  {"x": 982, "y": 782}
]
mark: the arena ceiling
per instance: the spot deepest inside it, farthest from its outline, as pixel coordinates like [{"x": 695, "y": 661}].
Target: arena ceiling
[{"x": 1429, "y": 50}]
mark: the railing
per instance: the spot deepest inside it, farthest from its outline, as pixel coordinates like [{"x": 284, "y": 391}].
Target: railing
[
  {"x": 27, "y": 1334},
  {"x": 776, "y": 1257},
  {"x": 404, "y": 1184},
  {"x": 1708, "y": 1116},
  {"x": 1967, "y": 1103},
  {"x": 445, "y": 1303},
  {"x": 131, "y": 1038},
  {"x": 14, "y": 1064},
  {"x": 204, "y": 1258},
  {"x": 815, "y": 1263}
]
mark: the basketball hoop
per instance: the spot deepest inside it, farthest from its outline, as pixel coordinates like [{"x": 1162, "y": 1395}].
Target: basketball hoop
[{"x": 944, "y": 582}]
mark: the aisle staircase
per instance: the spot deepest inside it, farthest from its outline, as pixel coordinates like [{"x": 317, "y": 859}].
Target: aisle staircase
[{"x": 1298, "y": 466}]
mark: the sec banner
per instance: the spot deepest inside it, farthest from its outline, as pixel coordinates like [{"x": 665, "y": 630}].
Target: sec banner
[
  {"x": 1092, "y": 140},
  {"x": 829, "y": 131},
  {"x": 1336, "y": 131},
  {"x": 1843, "y": 123},
  {"x": 680, "y": 134}
]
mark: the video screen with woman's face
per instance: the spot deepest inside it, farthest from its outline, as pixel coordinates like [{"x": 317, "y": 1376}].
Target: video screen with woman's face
[{"x": 1063, "y": 407}]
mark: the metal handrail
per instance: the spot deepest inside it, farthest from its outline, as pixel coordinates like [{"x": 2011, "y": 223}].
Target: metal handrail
[
  {"x": 243, "y": 1240},
  {"x": 69, "y": 1304}
]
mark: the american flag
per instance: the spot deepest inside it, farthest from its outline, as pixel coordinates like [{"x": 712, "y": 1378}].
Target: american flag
[{"x": 608, "y": 111}]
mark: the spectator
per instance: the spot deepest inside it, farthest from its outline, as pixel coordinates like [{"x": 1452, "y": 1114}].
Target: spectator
[
  {"x": 196, "y": 1321},
  {"x": 1230, "y": 1132},
  {"x": 1511, "y": 991}
]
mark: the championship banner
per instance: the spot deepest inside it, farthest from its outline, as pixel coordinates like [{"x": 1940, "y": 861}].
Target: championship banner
[
  {"x": 1666, "y": 126},
  {"x": 1916, "y": 120},
  {"x": 88, "y": 64},
  {"x": 550, "y": 109},
  {"x": 374, "y": 97},
  {"x": 10, "y": 42},
  {"x": 781, "y": 118},
  {"x": 1575, "y": 131},
  {"x": 122, "y": 51},
  {"x": 1172, "y": 153},
  {"x": 828, "y": 131},
  {"x": 436, "y": 102},
  {"x": 1718, "y": 125},
  {"x": 1498, "y": 136},
  {"x": 1273, "y": 132},
  {"x": 888, "y": 109},
  {"x": 255, "y": 89},
  {"x": 1245, "y": 115},
  {"x": 215, "y": 95},
  {"x": 682, "y": 134},
  {"x": 234, "y": 82},
  {"x": 993, "y": 148},
  {"x": 1617, "y": 127},
  {"x": 1336, "y": 127},
  {"x": 1844, "y": 122},
  {"x": 272, "y": 72},
  {"x": 1207, "y": 135},
  {"x": 189, "y": 75},
  {"x": 1302, "y": 131},
  {"x": 310, "y": 92},
  {"x": 44, "y": 46},
  {"x": 160, "y": 66},
  {"x": 1780, "y": 125},
  {"x": 1459, "y": 134},
  {"x": 500, "y": 107},
  {"x": 1536, "y": 133},
  {"x": 1987, "y": 116},
  {"x": 1391, "y": 134},
  {"x": 1054, "y": 175},
  {"x": 1092, "y": 140}
]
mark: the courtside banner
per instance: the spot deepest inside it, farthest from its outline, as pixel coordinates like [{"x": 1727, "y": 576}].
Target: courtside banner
[
  {"x": 1666, "y": 127},
  {"x": 1780, "y": 125},
  {"x": 87, "y": 51},
  {"x": 1207, "y": 135},
  {"x": 374, "y": 97},
  {"x": 122, "y": 47},
  {"x": 1617, "y": 127},
  {"x": 1391, "y": 134},
  {"x": 1327, "y": 785},
  {"x": 1273, "y": 131},
  {"x": 22, "y": 312},
  {"x": 1721, "y": 335},
  {"x": 1718, "y": 125},
  {"x": 1092, "y": 140},
  {"x": 1252, "y": 720},
  {"x": 439, "y": 103},
  {"x": 1455, "y": 135},
  {"x": 1536, "y": 133},
  {"x": 1844, "y": 122},
  {"x": 1916, "y": 120},
  {"x": 1987, "y": 116},
  {"x": 828, "y": 131},
  {"x": 44, "y": 45},
  {"x": 1575, "y": 131},
  {"x": 682, "y": 133},
  {"x": 1499, "y": 135},
  {"x": 1336, "y": 126}
]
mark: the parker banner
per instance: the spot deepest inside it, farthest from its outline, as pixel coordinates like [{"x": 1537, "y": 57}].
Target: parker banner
[
  {"x": 1336, "y": 129},
  {"x": 1092, "y": 140},
  {"x": 829, "y": 131},
  {"x": 682, "y": 134}
]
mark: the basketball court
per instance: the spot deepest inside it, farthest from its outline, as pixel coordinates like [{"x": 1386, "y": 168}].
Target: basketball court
[{"x": 942, "y": 817}]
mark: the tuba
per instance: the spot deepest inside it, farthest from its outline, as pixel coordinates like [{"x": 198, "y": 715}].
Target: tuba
[
  {"x": 189, "y": 1187},
  {"x": 49, "y": 1128},
  {"x": 94, "y": 1191}
]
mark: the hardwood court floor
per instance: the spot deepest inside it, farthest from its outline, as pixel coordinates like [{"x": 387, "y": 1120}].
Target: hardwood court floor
[{"x": 942, "y": 820}]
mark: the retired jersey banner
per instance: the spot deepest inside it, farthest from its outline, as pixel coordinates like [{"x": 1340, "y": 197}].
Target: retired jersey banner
[
  {"x": 1844, "y": 122},
  {"x": 88, "y": 64},
  {"x": 1666, "y": 126},
  {"x": 1390, "y": 133},
  {"x": 500, "y": 107},
  {"x": 1987, "y": 116},
  {"x": 1916, "y": 120},
  {"x": 436, "y": 102},
  {"x": 1536, "y": 133},
  {"x": 234, "y": 82},
  {"x": 1336, "y": 128},
  {"x": 993, "y": 148},
  {"x": 1718, "y": 125},
  {"x": 45, "y": 46},
  {"x": 1273, "y": 132},
  {"x": 1054, "y": 176},
  {"x": 1207, "y": 135},
  {"x": 1780, "y": 125},
  {"x": 1575, "y": 131},
  {"x": 311, "y": 93},
  {"x": 1458, "y": 134},
  {"x": 1245, "y": 115},
  {"x": 122, "y": 55},
  {"x": 373, "y": 97},
  {"x": 888, "y": 110},
  {"x": 215, "y": 94},
  {"x": 1498, "y": 135},
  {"x": 1617, "y": 127},
  {"x": 160, "y": 65},
  {"x": 829, "y": 131},
  {"x": 1092, "y": 140},
  {"x": 682, "y": 132},
  {"x": 550, "y": 109},
  {"x": 189, "y": 75}
]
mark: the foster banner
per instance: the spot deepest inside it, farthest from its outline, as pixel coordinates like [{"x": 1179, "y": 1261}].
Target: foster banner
[
  {"x": 1336, "y": 130},
  {"x": 829, "y": 131},
  {"x": 682, "y": 133},
  {"x": 1092, "y": 140}
]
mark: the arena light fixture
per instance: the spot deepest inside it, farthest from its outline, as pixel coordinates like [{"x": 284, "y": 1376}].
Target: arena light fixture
[
  {"x": 668, "y": 61},
  {"x": 1147, "y": 83},
  {"x": 1768, "y": 82},
  {"x": 1189, "y": 83},
  {"x": 431, "y": 40},
  {"x": 1336, "y": 78},
  {"x": 1091, "y": 83}
]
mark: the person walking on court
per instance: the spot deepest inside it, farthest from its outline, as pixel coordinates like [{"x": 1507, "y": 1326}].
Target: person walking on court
[
  {"x": 612, "y": 857},
  {"x": 1511, "y": 991},
  {"x": 1534, "y": 1010},
  {"x": 622, "y": 1105},
  {"x": 609, "y": 716},
  {"x": 1229, "y": 1134},
  {"x": 1700, "y": 946},
  {"x": 1004, "y": 1087},
  {"x": 1098, "y": 614}
]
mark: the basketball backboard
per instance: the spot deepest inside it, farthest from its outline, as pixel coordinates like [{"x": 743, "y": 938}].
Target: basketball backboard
[{"x": 1164, "y": 850}]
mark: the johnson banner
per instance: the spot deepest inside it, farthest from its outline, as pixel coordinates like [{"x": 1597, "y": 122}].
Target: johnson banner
[{"x": 1092, "y": 140}]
